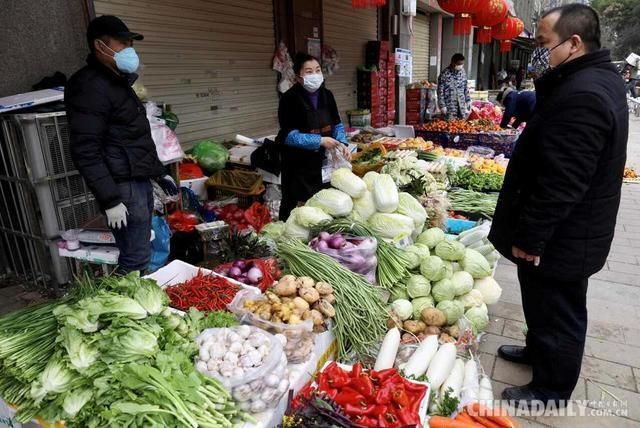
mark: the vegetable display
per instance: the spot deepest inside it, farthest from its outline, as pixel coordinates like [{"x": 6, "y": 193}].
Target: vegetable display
[
  {"x": 358, "y": 254},
  {"x": 468, "y": 201},
  {"x": 469, "y": 179},
  {"x": 203, "y": 292},
  {"x": 259, "y": 273},
  {"x": 360, "y": 319}
]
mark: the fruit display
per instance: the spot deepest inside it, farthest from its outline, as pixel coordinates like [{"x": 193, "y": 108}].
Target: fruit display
[
  {"x": 488, "y": 166},
  {"x": 461, "y": 126},
  {"x": 416, "y": 144}
]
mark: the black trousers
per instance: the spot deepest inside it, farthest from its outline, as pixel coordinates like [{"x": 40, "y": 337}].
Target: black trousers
[{"x": 556, "y": 315}]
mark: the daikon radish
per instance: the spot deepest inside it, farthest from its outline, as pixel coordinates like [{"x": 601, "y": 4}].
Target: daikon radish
[
  {"x": 419, "y": 361},
  {"x": 485, "y": 395},
  {"x": 388, "y": 350},
  {"x": 455, "y": 379},
  {"x": 441, "y": 365},
  {"x": 470, "y": 386}
]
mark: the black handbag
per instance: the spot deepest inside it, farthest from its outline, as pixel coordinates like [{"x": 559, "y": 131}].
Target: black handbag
[{"x": 267, "y": 157}]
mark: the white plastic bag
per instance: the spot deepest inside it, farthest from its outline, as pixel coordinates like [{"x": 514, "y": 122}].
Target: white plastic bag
[{"x": 167, "y": 144}]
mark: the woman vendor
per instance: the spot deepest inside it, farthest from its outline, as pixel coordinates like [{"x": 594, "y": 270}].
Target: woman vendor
[{"x": 309, "y": 126}]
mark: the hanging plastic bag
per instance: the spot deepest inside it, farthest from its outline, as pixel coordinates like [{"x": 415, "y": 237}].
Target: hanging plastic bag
[
  {"x": 335, "y": 160},
  {"x": 211, "y": 156},
  {"x": 358, "y": 254},
  {"x": 161, "y": 245},
  {"x": 167, "y": 144}
]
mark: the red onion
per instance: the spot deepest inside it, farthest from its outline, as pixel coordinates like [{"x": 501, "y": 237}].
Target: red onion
[
  {"x": 336, "y": 242},
  {"x": 321, "y": 246},
  {"x": 235, "y": 272},
  {"x": 324, "y": 236},
  {"x": 240, "y": 264},
  {"x": 254, "y": 275}
]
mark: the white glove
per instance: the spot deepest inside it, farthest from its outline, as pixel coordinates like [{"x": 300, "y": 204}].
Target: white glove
[
  {"x": 117, "y": 216},
  {"x": 443, "y": 110}
]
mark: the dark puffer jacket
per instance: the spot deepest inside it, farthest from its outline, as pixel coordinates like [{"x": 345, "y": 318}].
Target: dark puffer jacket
[
  {"x": 563, "y": 184},
  {"x": 109, "y": 131}
]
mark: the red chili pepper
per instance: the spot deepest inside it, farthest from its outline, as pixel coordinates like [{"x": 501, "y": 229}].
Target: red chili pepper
[
  {"x": 337, "y": 376},
  {"x": 364, "y": 385},
  {"x": 203, "y": 292},
  {"x": 399, "y": 396},
  {"x": 356, "y": 370},
  {"x": 349, "y": 396},
  {"x": 366, "y": 421},
  {"x": 382, "y": 375},
  {"x": 408, "y": 417},
  {"x": 380, "y": 409},
  {"x": 358, "y": 410},
  {"x": 383, "y": 396}
]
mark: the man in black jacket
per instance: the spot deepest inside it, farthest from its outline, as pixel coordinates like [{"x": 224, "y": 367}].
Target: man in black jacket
[
  {"x": 111, "y": 142},
  {"x": 557, "y": 210}
]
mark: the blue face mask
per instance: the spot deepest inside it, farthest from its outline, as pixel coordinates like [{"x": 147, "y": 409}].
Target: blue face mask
[{"x": 127, "y": 59}]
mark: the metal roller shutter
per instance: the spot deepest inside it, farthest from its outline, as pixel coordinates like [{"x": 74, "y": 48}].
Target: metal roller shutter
[
  {"x": 420, "y": 49},
  {"x": 347, "y": 30},
  {"x": 209, "y": 59}
]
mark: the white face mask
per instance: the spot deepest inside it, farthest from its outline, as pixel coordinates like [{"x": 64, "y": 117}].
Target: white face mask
[
  {"x": 459, "y": 67},
  {"x": 312, "y": 82}
]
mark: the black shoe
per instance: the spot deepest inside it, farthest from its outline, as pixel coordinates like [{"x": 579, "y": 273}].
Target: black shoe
[
  {"x": 531, "y": 397},
  {"x": 515, "y": 354}
]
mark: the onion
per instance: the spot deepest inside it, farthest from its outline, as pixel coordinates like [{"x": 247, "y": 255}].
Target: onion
[
  {"x": 337, "y": 242},
  {"x": 235, "y": 272},
  {"x": 324, "y": 236},
  {"x": 254, "y": 275},
  {"x": 322, "y": 246},
  {"x": 240, "y": 264}
]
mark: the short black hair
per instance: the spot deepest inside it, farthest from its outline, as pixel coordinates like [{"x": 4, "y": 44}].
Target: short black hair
[
  {"x": 456, "y": 58},
  {"x": 500, "y": 96},
  {"x": 578, "y": 19},
  {"x": 300, "y": 59}
]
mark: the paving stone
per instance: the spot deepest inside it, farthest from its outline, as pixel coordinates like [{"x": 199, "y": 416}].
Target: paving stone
[
  {"x": 606, "y": 331},
  {"x": 603, "y": 394},
  {"x": 510, "y": 294},
  {"x": 608, "y": 373},
  {"x": 513, "y": 329},
  {"x": 618, "y": 277},
  {"x": 636, "y": 375},
  {"x": 631, "y": 336},
  {"x": 517, "y": 374},
  {"x": 491, "y": 342},
  {"x": 487, "y": 361},
  {"x": 496, "y": 325},
  {"x": 507, "y": 310},
  {"x": 624, "y": 267},
  {"x": 580, "y": 391},
  {"x": 613, "y": 352},
  {"x": 623, "y": 258},
  {"x": 613, "y": 292},
  {"x": 605, "y": 311},
  {"x": 586, "y": 421},
  {"x": 498, "y": 387}
]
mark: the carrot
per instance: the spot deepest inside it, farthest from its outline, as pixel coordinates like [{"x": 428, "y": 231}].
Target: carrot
[
  {"x": 504, "y": 421},
  {"x": 497, "y": 416},
  {"x": 485, "y": 422},
  {"x": 442, "y": 422},
  {"x": 464, "y": 417}
]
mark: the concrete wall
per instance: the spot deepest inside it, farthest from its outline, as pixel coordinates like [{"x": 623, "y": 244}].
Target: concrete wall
[{"x": 38, "y": 38}]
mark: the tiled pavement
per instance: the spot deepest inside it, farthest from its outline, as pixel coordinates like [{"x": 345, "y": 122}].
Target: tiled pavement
[{"x": 611, "y": 365}]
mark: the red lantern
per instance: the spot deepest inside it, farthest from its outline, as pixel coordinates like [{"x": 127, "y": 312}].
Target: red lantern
[
  {"x": 508, "y": 29},
  {"x": 505, "y": 45},
  {"x": 462, "y": 11},
  {"x": 490, "y": 13},
  {"x": 367, "y": 3}
]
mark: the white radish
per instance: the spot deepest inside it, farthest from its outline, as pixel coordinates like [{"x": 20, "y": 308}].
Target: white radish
[
  {"x": 441, "y": 365},
  {"x": 388, "y": 350},
  {"x": 485, "y": 395},
  {"x": 455, "y": 379},
  {"x": 419, "y": 361},
  {"x": 471, "y": 386}
]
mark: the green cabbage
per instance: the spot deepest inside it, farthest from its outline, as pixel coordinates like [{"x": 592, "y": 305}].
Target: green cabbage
[
  {"x": 273, "y": 230},
  {"x": 402, "y": 308},
  {"x": 332, "y": 201},
  {"x": 391, "y": 226},
  {"x": 398, "y": 292},
  {"x": 370, "y": 178},
  {"x": 385, "y": 195},
  {"x": 419, "y": 304},
  {"x": 415, "y": 254},
  {"x": 450, "y": 250},
  {"x": 475, "y": 263},
  {"x": 345, "y": 180},
  {"x": 479, "y": 318},
  {"x": 431, "y": 237},
  {"x": 489, "y": 288},
  {"x": 452, "y": 309},
  {"x": 433, "y": 268},
  {"x": 364, "y": 208},
  {"x": 448, "y": 269},
  {"x": 443, "y": 290},
  {"x": 418, "y": 286},
  {"x": 293, "y": 230},
  {"x": 462, "y": 282},
  {"x": 309, "y": 217},
  {"x": 409, "y": 206},
  {"x": 471, "y": 299}
]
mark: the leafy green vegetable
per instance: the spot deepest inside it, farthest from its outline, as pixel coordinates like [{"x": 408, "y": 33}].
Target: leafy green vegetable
[
  {"x": 431, "y": 237},
  {"x": 421, "y": 303},
  {"x": 462, "y": 282},
  {"x": 443, "y": 290},
  {"x": 450, "y": 250},
  {"x": 479, "y": 317},
  {"x": 478, "y": 181},
  {"x": 433, "y": 268},
  {"x": 418, "y": 286},
  {"x": 447, "y": 404},
  {"x": 476, "y": 264},
  {"x": 453, "y": 309}
]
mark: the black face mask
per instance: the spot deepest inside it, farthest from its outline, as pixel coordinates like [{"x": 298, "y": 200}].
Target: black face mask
[{"x": 542, "y": 56}]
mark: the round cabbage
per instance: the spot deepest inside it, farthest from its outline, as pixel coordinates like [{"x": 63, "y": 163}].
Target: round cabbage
[
  {"x": 431, "y": 237},
  {"x": 415, "y": 254},
  {"x": 448, "y": 269},
  {"x": 450, "y": 250},
  {"x": 433, "y": 268},
  {"x": 402, "y": 308},
  {"x": 462, "y": 282},
  {"x": 443, "y": 290},
  {"x": 398, "y": 292},
  {"x": 419, "y": 304},
  {"x": 471, "y": 299},
  {"x": 418, "y": 286},
  {"x": 332, "y": 201},
  {"x": 475, "y": 263},
  {"x": 479, "y": 318},
  {"x": 489, "y": 289},
  {"x": 452, "y": 309},
  {"x": 409, "y": 206}
]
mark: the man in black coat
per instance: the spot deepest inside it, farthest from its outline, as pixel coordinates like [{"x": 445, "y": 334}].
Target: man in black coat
[
  {"x": 557, "y": 210},
  {"x": 111, "y": 142}
]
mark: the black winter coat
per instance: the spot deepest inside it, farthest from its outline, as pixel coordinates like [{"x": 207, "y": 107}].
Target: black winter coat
[
  {"x": 109, "y": 131},
  {"x": 563, "y": 184}
]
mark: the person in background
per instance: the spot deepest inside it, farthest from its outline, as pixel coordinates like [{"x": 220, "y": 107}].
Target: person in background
[
  {"x": 310, "y": 126},
  {"x": 630, "y": 83},
  {"x": 556, "y": 213},
  {"x": 111, "y": 142},
  {"x": 518, "y": 105},
  {"x": 454, "y": 100}
]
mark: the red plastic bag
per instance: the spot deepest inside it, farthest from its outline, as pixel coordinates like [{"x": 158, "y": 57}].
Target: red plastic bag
[
  {"x": 181, "y": 221},
  {"x": 268, "y": 266},
  {"x": 257, "y": 215},
  {"x": 190, "y": 171}
]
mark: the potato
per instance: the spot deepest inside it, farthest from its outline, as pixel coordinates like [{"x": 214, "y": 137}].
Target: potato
[
  {"x": 445, "y": 338},
  {"x": 305, "y": 281},
  {"x": 414, "y": 327},
  {"x": 285, "y": 288},
  {"x": 329, "y": 298},
  {"x": 325, "y": 308},
  {"x": 301, "y": 304},
  {"x": 324, "y": 288},
  {"x": 309, "y": 294},
  {"x": 430, "y": 330},
  {"x": 317, "y": 317},
  {"x": 394, "y": 320},
  {"x": 454, "y": 331},
  {"x": 433, "y": 317}
]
